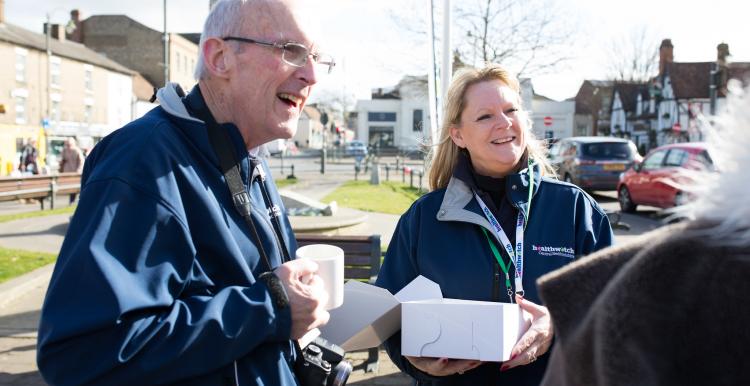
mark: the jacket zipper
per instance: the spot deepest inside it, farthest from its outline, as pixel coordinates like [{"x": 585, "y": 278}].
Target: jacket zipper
[
  {"x": 263, "y": 214},
  {"x": 496, "y": 283}
]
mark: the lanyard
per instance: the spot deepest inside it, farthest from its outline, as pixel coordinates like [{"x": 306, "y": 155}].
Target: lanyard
[
  {"x": 500, "y": 261},
  {"x": 515, "y": 257}
]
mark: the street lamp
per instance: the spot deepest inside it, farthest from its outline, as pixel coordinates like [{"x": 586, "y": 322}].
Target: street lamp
[{"x": 69, "y": 28}]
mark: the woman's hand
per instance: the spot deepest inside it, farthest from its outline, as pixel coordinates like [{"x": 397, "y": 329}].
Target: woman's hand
[
  {"x": 441, "y": 367},
  {"x": 536, "y": 340}
]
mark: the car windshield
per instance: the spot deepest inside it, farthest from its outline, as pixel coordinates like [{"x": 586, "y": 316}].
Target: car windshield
[{"x": 607, "y": 150}]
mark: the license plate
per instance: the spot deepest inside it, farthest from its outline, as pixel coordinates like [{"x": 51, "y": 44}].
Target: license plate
[{"x": 614, "y": 167}]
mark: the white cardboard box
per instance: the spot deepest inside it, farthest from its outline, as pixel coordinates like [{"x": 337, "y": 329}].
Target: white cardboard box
[{"x": 430, "y": 325}]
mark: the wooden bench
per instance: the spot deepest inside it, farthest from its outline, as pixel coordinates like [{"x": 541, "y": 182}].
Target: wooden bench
[
  {"x": 361, "y": 262},
  {"x": 39, "y": 187}
]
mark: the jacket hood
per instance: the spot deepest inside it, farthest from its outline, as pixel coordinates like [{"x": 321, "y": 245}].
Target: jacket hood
[{"x": 170, "y": 98}]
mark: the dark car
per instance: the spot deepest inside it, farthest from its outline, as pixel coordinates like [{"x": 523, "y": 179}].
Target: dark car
[
  {"x": 593, "y": 163},
  {"x": 657, "y": 180}
]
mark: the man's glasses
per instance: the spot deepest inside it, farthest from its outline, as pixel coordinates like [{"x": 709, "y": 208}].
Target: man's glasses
[{"x": 293, "y": 54}]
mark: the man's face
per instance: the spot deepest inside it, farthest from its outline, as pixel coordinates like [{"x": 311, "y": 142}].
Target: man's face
[{"x": 266, "y": 94}]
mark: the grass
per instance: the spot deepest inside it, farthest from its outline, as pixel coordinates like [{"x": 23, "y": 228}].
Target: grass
[
  {"x": 38, "y": 213},
  {"x": 14, "y": 262},
  {"x": 388, "y": 197},
  {"x": 284, "y": 182}
]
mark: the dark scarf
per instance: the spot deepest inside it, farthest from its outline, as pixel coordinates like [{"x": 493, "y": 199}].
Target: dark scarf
[{"x": 491, "y": 190}]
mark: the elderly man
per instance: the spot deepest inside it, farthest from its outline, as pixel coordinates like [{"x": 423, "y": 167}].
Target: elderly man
[{"x": 162, "y": 279}]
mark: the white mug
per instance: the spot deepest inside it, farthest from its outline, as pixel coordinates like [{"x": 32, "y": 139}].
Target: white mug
[{"x": 330, "y": 260}]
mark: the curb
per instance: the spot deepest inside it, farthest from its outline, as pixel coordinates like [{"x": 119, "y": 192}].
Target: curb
[{"x": 19, "y": 286}]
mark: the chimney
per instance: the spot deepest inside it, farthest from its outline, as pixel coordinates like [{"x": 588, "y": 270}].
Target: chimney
[
  {"x": 57, "y": 31},
  {"x": 666, "y": 55},
  {"x": 77, "y": 34},
  {"x": 2, "y": 11},
  {"x": 722, "y": 53}
]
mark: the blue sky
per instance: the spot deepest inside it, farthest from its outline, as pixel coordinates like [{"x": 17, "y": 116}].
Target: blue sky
[{"x": 375, "y": 52}]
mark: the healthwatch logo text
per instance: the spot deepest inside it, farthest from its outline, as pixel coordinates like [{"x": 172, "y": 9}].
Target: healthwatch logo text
[{"x": 553, "y": 251}]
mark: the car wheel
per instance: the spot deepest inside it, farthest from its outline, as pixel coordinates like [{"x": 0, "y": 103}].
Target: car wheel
[{"x": 626, "y": 202}]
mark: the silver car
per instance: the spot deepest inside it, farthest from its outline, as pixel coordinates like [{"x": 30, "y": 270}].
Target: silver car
[{"x": 593, "y": 163}]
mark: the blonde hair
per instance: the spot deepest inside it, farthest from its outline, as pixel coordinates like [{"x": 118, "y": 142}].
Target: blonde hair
[{"x": 445, "y": 155}]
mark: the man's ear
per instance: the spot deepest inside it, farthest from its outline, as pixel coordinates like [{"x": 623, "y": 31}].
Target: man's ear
[
  {"x": 217, "y": 57},
  {"x": 456, "y": 136}
]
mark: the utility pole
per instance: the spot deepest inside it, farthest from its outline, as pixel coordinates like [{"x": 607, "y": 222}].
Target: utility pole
[
  {"x": 166, "y": 47},
  {"x": 447, "y": 70}
]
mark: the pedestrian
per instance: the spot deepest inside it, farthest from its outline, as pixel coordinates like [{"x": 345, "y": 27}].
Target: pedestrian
[
  {"x": 71, "y": 161},
  {"x": 28, "y": 163},
  {"x": 490, "y": 187},
  {"x": 670, "y": 307},
  {"x": 177, "y": 267}
]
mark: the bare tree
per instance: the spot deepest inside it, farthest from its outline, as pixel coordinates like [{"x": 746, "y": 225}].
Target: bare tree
[
  {"x": 335, "y": 103},
  {"x": 529, "y": 36},
  {"x": 634, "y": 57}
]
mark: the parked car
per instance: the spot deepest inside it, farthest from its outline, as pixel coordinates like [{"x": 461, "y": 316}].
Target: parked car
[
  {"x": 593, "y": 163},
  {"x": 656, "y": 181},
  {"x": 354, "y": 148}
]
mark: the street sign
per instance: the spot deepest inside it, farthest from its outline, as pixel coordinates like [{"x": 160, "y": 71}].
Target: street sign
[{"x": 548, "y": 121}]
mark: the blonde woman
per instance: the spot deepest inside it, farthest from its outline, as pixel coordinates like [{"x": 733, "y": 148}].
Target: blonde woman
[{"x": 489, "y": 169}]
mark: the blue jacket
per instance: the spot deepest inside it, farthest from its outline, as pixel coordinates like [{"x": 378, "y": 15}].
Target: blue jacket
[
  {"x": 156, "y": 279},
  {"x": 440, "y": 237}
]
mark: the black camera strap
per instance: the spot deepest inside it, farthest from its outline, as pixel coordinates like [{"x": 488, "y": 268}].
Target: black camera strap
[{"x": 229, "y": 164}]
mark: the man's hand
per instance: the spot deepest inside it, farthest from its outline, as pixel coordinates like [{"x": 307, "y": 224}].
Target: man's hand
[
  {"x": 441, "y": 367},
  {"x": 307, "y": 296},
  {"x": 536, "y": 340}
]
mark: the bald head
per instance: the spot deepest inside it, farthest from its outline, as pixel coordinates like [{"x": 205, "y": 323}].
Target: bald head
[{"x": 253, "y": 18}]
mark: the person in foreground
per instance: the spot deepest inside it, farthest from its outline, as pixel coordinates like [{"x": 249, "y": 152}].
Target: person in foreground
[
  {"x": 488, "y": 158},
  {"x": 670, "y": 307},
  {"x": 160, "y": 280}
]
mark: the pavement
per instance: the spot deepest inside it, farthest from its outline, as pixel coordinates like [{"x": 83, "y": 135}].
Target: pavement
[{"x": 21, "y": 298}]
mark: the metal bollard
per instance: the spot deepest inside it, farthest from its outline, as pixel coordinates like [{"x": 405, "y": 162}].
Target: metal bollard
[
  {"x": 291, "y": 176},
  {"x": 323, "y": 161},
  {"x": 420, "y": 181},
  {"x": 411, "y": 179},
  {"x": 387, "y": 172},
  {"x": 53, "y": 194},
  {"x": 356, "y": 172},
  {"x": 403, "y": 175},
  {"x": 282, "y": 163}
]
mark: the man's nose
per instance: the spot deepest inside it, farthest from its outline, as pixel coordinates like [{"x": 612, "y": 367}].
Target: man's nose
[{"x": 309, "y": 72}]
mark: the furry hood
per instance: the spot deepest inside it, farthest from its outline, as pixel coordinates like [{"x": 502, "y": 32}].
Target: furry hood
[{"x": 722, "y": 197}]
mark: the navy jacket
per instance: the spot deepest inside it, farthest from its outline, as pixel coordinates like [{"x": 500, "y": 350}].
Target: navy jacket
[
  {"x": 156, "y": 279},
  {"x": 440, "y": 237}
]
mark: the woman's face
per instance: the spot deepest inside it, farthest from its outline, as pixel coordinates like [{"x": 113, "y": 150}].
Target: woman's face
[{"x": 492, "y": 128}]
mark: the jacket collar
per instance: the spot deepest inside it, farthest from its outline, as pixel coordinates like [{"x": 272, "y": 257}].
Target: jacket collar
[
  {"x": 458, "y": 196},
  {"x": 171, "y": 99}
]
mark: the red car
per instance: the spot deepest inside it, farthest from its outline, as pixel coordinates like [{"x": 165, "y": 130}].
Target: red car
[{"x": 654, "y": 181}]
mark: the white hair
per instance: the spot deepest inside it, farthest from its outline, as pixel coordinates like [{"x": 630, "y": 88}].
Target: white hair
[
  {"x": 721, "y": 198},
  {"x": 225, "y": 19}
]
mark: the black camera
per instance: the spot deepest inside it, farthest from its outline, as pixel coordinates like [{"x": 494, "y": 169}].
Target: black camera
[{"x": 322, "y": 363}]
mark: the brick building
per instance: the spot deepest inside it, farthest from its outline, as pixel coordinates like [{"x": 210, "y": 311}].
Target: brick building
[{"x": 139, "y": 47}]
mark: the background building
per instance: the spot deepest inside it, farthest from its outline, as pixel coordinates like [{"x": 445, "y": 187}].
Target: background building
[
  {"x": 395, "y": 118},
  {"x": 70, "y": 92},
  {"x": 140, "y": 48}
]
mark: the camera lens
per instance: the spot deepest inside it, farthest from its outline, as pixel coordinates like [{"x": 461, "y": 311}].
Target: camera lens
[{"x": 340, "y": 374}]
